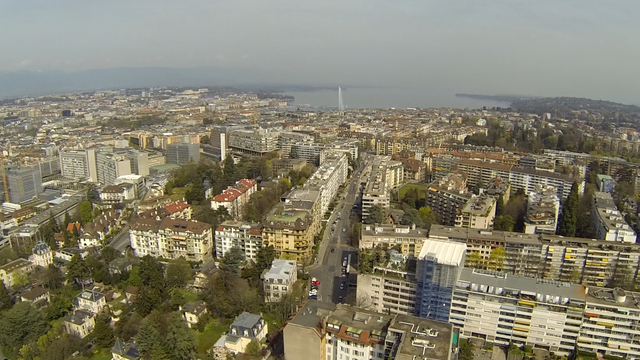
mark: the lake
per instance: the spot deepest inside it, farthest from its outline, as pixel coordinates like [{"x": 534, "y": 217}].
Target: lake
[{"x": 384, "y": 98}]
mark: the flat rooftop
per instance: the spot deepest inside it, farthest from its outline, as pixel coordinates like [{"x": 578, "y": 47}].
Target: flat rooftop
[{"x": 416, "y": 333}]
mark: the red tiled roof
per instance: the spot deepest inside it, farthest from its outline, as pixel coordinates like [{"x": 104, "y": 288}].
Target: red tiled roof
[
  {"x": 232, "y": 193},
  {"x": 176, "y": 207},
  {"x": 71, "y": 226}
]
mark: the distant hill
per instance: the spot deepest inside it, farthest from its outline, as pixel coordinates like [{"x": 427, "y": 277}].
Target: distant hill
[
  {"x": 30, "y": 83},
  {"x": 565, "y": 104}
]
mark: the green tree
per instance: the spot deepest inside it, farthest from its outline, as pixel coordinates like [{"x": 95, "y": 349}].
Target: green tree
[
  {"x": 293, "y": 153},
  {"x": 195, "y": 195},
  {"x": 7, "y": 254},
  {"x": 466, "y": 351},
  {"x": 229, "y": 174},
  {"x": 504, "y": 223},
  {"x": 496, "y": 259},
  {"x": 59, "y": 307},
  {"x": 500, "y": 205},
  {"x": 147, "y": 337},
  {"x": 5, "y": 298},
  {"x": 180, "y": 341},
  {"x": 178, "y": 274},
  {"x": 103, "y": 333},
  {"x": 86, "y": 212},
  {"x": 427, "y": 215},
  {"x": 109, "y": 254},
  {"x": 376, "y": 215},
  {"x": 92, "y": 194},
  {"x": 152, "y": 287},
  {"x": 253, "y": 348},
  {"x": 158, "y": 352},
  {"x": 232, "y": 261},
  {"x": 569, "y": 215},
  {"x": 77, "y": 269},
  {"x": 21, "y": 325}
]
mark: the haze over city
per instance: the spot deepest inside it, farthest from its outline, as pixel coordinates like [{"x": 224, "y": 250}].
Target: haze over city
[{"x": 545, "y": 48}]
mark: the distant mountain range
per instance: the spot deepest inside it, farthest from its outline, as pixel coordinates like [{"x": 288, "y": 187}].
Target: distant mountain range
[{"x": 31, "y": 83}]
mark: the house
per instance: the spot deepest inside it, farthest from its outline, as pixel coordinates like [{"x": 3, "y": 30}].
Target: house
[
  {"x": 12, "y": 273},
  {"x": 38, "y": 296},
  {"x": 279, "y": 279},
  {"x": 114, "y": 194},
  {"x": 179, "y": 210},
  {"x": 130, "y": 294},
  {"x": 120, "y": 265},
  {"x": 41, "y": 255},
  {"x": 91, "y": 301},
  {"x": 79, "y": 323},
  {"x": 124, "y": 351},
  {"x": 235, "y": 197},
  {"x": 73, "y": 227},
  {"x": 245, "y": 328},
  {"x": 193, "y": 311},
  {"x": 65, "y": 255},
  {"x": 202, "y": 277}
]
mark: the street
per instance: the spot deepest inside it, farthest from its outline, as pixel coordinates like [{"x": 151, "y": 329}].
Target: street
[
  {"x": 335, "y": 249},
  {"x": 121, "y": 241}
]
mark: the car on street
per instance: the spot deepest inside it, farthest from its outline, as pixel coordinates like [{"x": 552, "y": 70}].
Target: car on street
[
  {"x": 333, "y": 250},
  {"x": 340, "y": 298},
  {"x": 342, "y": 285},
  {"x": 344, "y": 229}
]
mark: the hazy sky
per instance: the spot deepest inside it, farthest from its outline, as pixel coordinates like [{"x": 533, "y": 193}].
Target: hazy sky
[{"x": 538, "y": 47}]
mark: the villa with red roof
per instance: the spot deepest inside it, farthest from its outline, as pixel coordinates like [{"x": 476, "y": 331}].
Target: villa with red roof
[
  {"x": 179, "y": 210},
  {"x": 234, "y": 198}
]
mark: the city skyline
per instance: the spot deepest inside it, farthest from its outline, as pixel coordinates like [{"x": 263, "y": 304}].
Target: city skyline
[{"x": 513, "y": 47}]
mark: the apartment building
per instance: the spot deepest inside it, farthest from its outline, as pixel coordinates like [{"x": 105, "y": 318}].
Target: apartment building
[
  {"x": 305, "y": 199},
  {"x": 608, "y": 222},
  {"x": 219, "y": 141},
  {"x": 284, "y": 166},
  {"x": 589, "y": 262},
  {"x": 376, "y": 192},
  {"x": 246, "y": 236},
  {"x": 333, "y": 332},
  {"x": 310, "y": 152},
  {"x": 234, "y": 198},
  {"x": 12, "y": 272},
  {"x": 290, "y": 232},
  {"x": 497, "y": 187},
  {"x": 480, "y": 172},
  {"x": 388, "y": 291},
  {"x": 437, "y": 271},
  {"x": 543, "y": 207},
  {"x": 183, "y": 153},
  {"x": 79, "y": 164},
  {"x": 478, "y": 213},
  {"x": 171, "y": 238},
  {"x": 116, "y": 194},
  {"x": 447, "y": 196},
  {"x": 611, "y": 323},
  {"x": 25, "y": 184},
  {"x": 253, "y": 142},
  {"x": 408, "y": 239},
  {"x": 514, "y": 253},
  {"x": 505, "y": 309},
  {"x": 139, "y": 161},
  {"x": 278, "y": 280},
  {"x": 111, "y": 166},
  {"x": 289, "y": 138},
  {"x": 328, "y": 178}
]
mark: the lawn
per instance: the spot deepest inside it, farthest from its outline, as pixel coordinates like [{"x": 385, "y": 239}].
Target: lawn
[
  {"x": 188, "y": 295},
  {"x": 422, "y": 190},
  {"x": 178, "y": 193},
  {"x": 104, "y": 354},
  {"x": 211, "y": 334}
]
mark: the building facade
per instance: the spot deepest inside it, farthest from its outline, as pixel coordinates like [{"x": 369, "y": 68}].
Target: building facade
[
  {"x": 79, "y": 164},
  {"x": 234, "y": 198},
  {"x": 278, "y": 280},
  {"x": 183, "y": 153},
  {"x": 246, "y": 236},
  {"x": 171, "y": 238},
  {"x": 110, "y": 166},
  {"x": 478, "y": 213},
  {"x": 24, "y": 184}
]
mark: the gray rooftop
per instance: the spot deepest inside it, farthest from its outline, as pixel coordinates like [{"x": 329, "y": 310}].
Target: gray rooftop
[
  {"x": 312, "y": 312},
  {"x": 531, "y": 286},
  {"x": 246, "y": 320},
  {"x": 408, "y": 351},
  {"x": 280, "y": 269}
]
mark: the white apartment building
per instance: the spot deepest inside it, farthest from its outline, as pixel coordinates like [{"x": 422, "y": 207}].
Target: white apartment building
[
  {"x": 253, "y": 141},
  {"x": 510, "y": 309},
  {"x": 288, "y": 139},
  {"x": 246, "y": 236},
  {"x": 611, "y": 323},
  {"x": 608, "y": 222},
  {"x": 110, "y": 166},
  {"x": 543, "y": 207},
  {"x": 387, "y": 291},
  {"x": 278, "y": 280},
  {"x": 171, "y": 238},
  {"x": 333, "y": 332},
  {"x": 328, "y": 178},
  {"x": 234, "y": 198},
  {"x": 478, "y": 213},
  {"x": 408, "y": 238},
  {"x": 115, "y": 194},
  {"x": 79, "y": 164}
]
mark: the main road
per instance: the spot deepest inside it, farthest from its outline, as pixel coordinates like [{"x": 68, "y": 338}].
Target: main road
[{"x": 335, "y": 249}]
